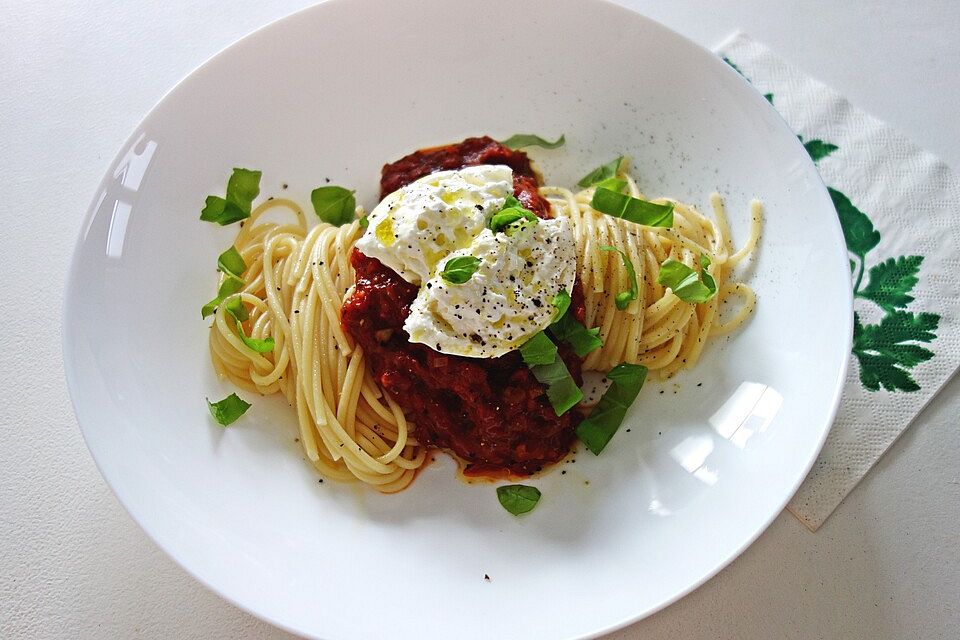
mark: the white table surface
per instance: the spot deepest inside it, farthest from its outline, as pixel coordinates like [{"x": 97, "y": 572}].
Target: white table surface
[{"x": 77, "y": 76}]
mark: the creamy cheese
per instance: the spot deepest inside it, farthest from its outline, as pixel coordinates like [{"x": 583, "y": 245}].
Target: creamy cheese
[
  {"x": 509, "y": 298},
  {"x": 415, "y": 227}
]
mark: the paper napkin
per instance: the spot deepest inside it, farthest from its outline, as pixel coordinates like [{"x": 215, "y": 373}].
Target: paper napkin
[{"x": 899, "y": 207}]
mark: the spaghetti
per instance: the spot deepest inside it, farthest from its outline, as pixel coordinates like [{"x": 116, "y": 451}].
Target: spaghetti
[
  {"x": 295, "y": 284},
  {"x": 658, "y": 329},
  {"x": 297, "y": 279}
]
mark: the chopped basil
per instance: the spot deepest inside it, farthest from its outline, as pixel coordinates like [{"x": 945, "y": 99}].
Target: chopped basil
[
  {"x": 708, "y": 280},
  {"x": 364, "y": 223},
  {"x": 613, "y": 184},
  {"x": 624, "y": 298},
  {"x": 685, "y": 283},
  {"x": 601, "y": 173},
  {"x": 562, "y": 390},
  {"x": 538, "y": 350},
  {"x": 632, "y": 209},
  {"x": 568, "y": 329},
  {"x": 228, "y": 410},
  {"x": 512, "y": 217},
  {"x": 231, "y": 263},
  {"x": 230, "y": 285},
  {"x": 520, "y": 140},
  {"x": 508, "y": 217},
  {"x": 561, "y": 302},
  {"x": 518, "y": 498},
  {"x": 458, "y": 270},
  {"x": 236, "y": 308},
  {"x": 334, "y": 205},
  {"x": 242, "y": 187},
  {"x": 598, "y": 428}
]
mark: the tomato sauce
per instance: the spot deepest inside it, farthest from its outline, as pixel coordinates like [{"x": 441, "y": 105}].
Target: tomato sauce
[
  {"x": 470, "y": 152},
  {"x": 491, "y": 412}
]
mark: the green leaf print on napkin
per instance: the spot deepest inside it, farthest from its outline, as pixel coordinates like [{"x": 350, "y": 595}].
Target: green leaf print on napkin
[
  {"x": 892, "y": 281},
  {"x": 818, "y": 149},
  {"x": 887, "y": 350}
]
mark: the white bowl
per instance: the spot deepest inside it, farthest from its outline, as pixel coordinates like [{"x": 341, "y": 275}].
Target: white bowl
[{"x": 336, "y": 91}]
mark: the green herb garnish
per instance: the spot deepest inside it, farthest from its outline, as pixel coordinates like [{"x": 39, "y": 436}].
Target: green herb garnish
[
  {"x": 228, "y": 410},
  {"x": 334, "y": 205},
  {"x": 598, "y": 428},
  {"x": 520, "y": 140},
  {"x": 601, "y": 173},
  {"x": 230, "y": 285},
  {"x": 231, "y": 263},
  {"x": 538, "y": 350},
  {"x": 458, "y": 270},
  {"x": 236, "y": 308},
  {"x": 518, "y": 498},
  {"x": 508, "y": 217},
  {"x": 613, "y": 184},
  {"x": 562, "y": 390},
  {"x": 242, "y": 187},
  {"x": 619, "y": 205},
  {"x": 624, "y": 298},
  {"x": 511, "y": 218},
  {"x": 568, "y": 329},
  {"x": 364, "y": 223},
  {"x": 561, "y": 302},
  {"x": 686, "y": 283}
]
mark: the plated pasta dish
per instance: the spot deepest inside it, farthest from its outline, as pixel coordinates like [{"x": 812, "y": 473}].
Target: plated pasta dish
[{"x": 462, "y": 312}]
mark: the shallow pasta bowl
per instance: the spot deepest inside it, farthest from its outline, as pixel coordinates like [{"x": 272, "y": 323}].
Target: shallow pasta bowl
[{"x": 705, "y": 460}]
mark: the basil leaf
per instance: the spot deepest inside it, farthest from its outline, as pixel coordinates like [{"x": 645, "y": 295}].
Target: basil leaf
[
  {"x": 236, "y": 308},
  {"x": 708, "y": 280},
  {"x": 230, "y": 285},
  {"x": 562, "y": 390},
  {"x": 228, "y": 410},
  {"x": 538, "y": 350},
  {"x": 598, "y": 428},
  {"x": 613, "y": 184},
  {"x": 242, "y": 188},
  {"x": 624, "y": 298},
  {"x": 508, "y": 217},
  {"x": 568, "y": 329},
  {"x": 511, "y": 213},
  {"x": 334, "y": 205},
  {"x": 632, "y": 209},
  {"x": 221, "y": 211},
  {"x": 259, "y": 345},
  {"x": 458, "y": 270},
  {"x": 518, "y": 498},
  {"x": 561, "y": 302},
  {"x": 601, "y": 173},
  {"x": 231, "y": 263},
  {"x": 520, "y": 140},
  {"x": 685, "y": 282}
]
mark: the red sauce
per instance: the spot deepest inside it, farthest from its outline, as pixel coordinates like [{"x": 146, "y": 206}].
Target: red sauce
[
  {"x": 491, "y": 412},
  {"x": 470, "y": 152}
]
